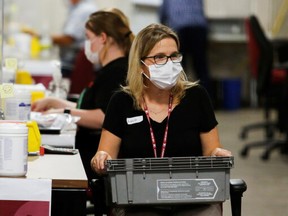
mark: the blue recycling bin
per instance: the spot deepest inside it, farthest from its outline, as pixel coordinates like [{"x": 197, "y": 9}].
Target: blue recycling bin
[{"x": 231, "y": 93}]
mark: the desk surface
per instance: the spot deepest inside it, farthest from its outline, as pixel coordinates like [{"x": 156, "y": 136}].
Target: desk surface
[{"x": 66, "y": 171}]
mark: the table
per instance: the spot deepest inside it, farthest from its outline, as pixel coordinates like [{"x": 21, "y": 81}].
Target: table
[
  {"x": 67, "y": 139},
  {"x": 69, "y": 181}
]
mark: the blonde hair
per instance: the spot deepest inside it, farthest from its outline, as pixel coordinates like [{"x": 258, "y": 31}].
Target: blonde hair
[
  {"x": 114, "y": 26},
  {"x": 143, "y": 43}
]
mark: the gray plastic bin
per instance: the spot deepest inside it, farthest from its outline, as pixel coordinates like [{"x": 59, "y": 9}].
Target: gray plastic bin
[{"x": 168, "y": 180}]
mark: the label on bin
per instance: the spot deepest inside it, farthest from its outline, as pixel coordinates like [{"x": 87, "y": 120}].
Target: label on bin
[{"x": 186, "y": 189}]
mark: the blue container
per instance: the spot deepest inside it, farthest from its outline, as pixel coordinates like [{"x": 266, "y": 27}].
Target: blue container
[{"x": 231, "y": 93}]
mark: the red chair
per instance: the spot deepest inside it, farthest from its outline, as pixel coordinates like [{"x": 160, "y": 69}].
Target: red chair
[
  {"x": 267, "y": 79},
  {"x": 82, "y": 74}
]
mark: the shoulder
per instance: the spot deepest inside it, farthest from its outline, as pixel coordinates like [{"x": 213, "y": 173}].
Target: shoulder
[
  {"x": 119, "y": 63},
  {"x": 196, "y": 94},
  {"x": 121, "y": 97},
  {"x": 196, "y": 90},
  {"x": 120, "y": 102}
]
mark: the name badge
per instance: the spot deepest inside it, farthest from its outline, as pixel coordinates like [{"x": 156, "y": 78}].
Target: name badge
[{"x": 134, "y": 120}]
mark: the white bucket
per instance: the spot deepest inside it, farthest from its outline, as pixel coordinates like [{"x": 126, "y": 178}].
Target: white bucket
[
  {"x": 19, "y": 106},
  {"x": 13, "y": 149}
]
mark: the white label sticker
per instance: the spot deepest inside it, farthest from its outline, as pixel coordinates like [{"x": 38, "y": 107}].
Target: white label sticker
[{"x": 134, "y": 120}]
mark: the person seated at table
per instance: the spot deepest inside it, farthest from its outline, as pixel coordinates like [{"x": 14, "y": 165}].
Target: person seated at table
[
  {"x": 108, "y": 43},
  {"x": 159, "y": 113}
]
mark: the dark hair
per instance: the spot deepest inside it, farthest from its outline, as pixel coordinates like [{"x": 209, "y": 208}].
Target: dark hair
[{"x": 113, "y": 25}]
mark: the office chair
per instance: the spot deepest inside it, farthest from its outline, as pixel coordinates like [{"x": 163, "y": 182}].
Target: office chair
[
  {"x": 269, "y": 79},
  {"x": 82, "y": 75},
  {"x": 237, "y": 188}
]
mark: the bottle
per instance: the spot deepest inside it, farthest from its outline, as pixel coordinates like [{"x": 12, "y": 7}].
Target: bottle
[
  {"x": 13, "y": 148},
  {"x": 35, "y": 47},
  {"x": 46, "y": 43},
  {"x": 19, "y": 106}
]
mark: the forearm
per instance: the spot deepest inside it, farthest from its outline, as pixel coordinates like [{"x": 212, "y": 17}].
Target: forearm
[
  {"x": 211, "y": 144},
  {"x": 50, "y": 103},
  {"x": 63, "y": 40},
  {"x": 210, "y": 141},
  {"x": 108, "y": 149},
  {"x": 89, "y": 118},
  {"x": 58, "y": 103},
  {"x": 109, "y": 143}
]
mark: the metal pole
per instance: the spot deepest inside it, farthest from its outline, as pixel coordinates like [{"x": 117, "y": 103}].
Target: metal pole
[{"x": 1, "y": 38}]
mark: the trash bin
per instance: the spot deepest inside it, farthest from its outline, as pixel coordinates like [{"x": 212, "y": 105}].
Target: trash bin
[{"x": 231, "y": 93}]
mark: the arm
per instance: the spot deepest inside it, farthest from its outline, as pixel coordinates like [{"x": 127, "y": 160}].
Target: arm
[
  {"x": 211, "y": 145},
  {"x": 45, "y": 104},
  {"x": 62, "y": 40},
  {"x": 88, "y": 118},
  {"x": 108, "y": 149}
]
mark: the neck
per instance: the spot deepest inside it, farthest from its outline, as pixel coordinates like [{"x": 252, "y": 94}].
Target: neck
[
  {"x": 111, "y": 54},
  {"x": 153, "y": 93},
  {"x": 156, "y": 102}
]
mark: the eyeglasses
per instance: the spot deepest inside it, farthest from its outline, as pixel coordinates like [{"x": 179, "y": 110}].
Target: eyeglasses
[{"x": 163, "y": 59}]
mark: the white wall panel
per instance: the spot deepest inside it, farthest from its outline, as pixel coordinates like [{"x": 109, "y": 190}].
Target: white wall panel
[{"x": 51, "y": 13}]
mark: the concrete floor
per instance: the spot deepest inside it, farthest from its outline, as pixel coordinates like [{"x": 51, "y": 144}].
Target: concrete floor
[{"x": 267, "y": 181}]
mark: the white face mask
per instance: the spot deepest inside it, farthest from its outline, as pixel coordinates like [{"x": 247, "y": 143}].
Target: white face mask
[
  {"x": 93, "y": 57},
  {"x": 164, "y": 76}
]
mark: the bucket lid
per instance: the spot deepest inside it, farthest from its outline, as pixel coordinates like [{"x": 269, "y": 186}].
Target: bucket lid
[{"x": 12, "y": 128}]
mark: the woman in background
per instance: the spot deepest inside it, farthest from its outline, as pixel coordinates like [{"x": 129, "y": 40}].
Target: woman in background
[{"x": 108, "y": 43}]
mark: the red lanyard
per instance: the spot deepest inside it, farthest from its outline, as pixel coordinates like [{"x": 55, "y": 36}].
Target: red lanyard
[{"x": 166, "y": 129}]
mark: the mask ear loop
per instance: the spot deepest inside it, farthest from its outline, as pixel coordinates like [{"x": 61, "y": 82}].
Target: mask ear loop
[
  {"x": 145, "y": 75},
  {"x": 143, "y": 63},
  {"x": 142, "y": 72}
]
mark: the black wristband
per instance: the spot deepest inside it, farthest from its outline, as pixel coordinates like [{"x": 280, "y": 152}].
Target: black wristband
[{"x": 67, "y": 110}]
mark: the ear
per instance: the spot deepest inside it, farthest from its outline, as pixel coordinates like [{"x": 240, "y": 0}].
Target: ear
[{"x": 103, "y": 37}]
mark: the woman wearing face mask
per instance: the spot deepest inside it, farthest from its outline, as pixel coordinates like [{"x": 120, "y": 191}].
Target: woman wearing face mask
[
  {"x": 159, "y": 113},
  {"x": 107, "y": 46}
]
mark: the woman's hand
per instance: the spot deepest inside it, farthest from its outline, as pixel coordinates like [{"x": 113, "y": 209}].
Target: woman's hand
[
  {"x": 221, "y": 152},
  {"x": 45, "y": 104},
  {"x": 41, "y": 105},
  {"x": 98, "y": 161}
]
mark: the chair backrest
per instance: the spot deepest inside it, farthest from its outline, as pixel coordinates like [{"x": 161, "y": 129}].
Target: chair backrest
[
  {"x": 82, "y": 74},
  {"x": 253, "y": 49},
  {"x": 261, "y": 53}
]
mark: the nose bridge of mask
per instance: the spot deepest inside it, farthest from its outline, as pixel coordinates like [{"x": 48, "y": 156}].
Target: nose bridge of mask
[{"x": 160, "y": 70}]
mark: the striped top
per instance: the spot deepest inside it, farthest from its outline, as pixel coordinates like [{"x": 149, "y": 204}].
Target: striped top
[{"x": 182, "y": 13}]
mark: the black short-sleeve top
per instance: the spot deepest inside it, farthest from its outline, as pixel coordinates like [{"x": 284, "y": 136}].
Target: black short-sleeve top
[
  {"x": 98, "y": 94},
  {"x": 193, "y": 115}
]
